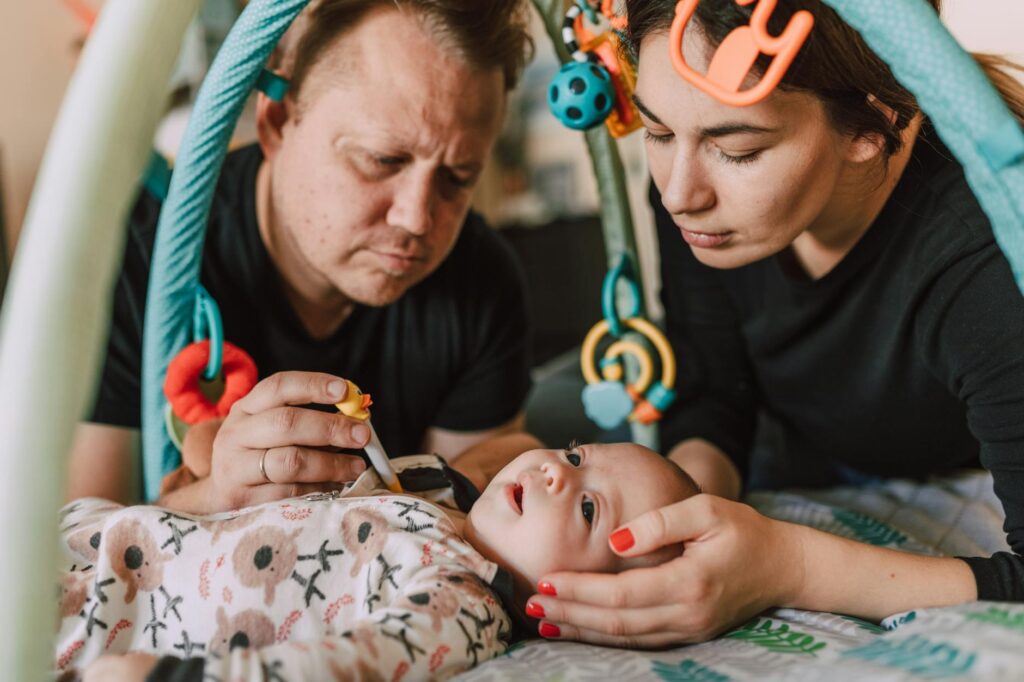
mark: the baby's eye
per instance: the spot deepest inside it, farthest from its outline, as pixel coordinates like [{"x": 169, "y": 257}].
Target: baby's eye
[
  {"x": 574, "y": 459},
  {"x": 587, "y": 506}
]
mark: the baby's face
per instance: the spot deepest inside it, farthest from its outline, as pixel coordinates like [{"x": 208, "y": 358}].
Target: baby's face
[{"x": 553, "y": 510}]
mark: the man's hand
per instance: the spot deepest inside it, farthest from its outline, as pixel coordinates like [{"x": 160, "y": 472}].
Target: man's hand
[
  {"x": 735, "y": 563},
  {"x": 268, "y": 449}
]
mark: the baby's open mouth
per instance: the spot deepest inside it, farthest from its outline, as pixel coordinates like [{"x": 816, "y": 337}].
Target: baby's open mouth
[{"x": 515, "y": 497}]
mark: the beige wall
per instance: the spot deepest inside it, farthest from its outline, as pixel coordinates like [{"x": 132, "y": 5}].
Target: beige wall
[
  {"x": 987, "y": 25},
  {"x": 36, "y": 61}
]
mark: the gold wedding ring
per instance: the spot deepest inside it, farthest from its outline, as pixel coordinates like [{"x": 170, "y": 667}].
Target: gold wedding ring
[{"x": 263, "y": 466}]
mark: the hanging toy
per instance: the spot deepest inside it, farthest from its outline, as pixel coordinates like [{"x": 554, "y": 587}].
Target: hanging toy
[
  {"x": 740, "y": 50},
  {"x": 356, "y": 405},
  {"x": 607, "y": 399},
  {"x": 184, "y": 388},
  {"x": 207, "y": 376},
  {"x": 581, "y": 95},
  {"x": 597, "y": 85}
]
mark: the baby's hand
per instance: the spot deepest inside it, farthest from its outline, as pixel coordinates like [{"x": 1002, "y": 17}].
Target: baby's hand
[{"x": 130, "y": 667}]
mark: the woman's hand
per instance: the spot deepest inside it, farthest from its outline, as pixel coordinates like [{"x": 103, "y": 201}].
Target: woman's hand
[
  {"x": 131, "y": 667},
  {"x": 267, "y": 449},
  {"x": 735, "y": 563}
]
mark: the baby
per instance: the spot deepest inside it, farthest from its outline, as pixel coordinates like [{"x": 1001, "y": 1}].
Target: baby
[{"x": 361, "y": 584}]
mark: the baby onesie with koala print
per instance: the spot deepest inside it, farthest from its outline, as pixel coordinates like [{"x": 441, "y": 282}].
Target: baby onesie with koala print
[{"x": 361, "y": 584}]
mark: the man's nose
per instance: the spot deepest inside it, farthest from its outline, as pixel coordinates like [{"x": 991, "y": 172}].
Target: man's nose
[
  {"x": 412, "y": 207},
  {"x": 688, "y": 189},
  {"x": 555, "y": 475}
]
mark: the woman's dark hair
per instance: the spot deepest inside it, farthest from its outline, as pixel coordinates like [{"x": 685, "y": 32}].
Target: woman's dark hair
[
  {"x": 835, "y": 64},
  {"x": 487, "y": 34}
]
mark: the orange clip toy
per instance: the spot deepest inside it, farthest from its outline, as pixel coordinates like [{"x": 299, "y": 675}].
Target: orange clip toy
[
  {"x": 356, "y": 405},
  {"x": 624, "y": 118},
  {"x": 739, "y": 51}
]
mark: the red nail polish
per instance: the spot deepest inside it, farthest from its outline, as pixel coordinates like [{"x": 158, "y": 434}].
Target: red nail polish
[
  {"x": 622, "y": 539},
  {"x": 549, "y": 630},
  {"x": 544, "y": 587},
  {"x": 534, "y": 610}
]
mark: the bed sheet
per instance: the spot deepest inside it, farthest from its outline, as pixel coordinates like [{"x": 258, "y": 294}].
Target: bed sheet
[{"x": 958, "y": 515}]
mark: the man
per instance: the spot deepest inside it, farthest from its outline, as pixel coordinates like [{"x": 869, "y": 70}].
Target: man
[{"x": 342, "y": 246}]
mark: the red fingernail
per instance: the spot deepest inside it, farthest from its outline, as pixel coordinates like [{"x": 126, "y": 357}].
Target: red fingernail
[
  {"x": 544, "y": 587},
  {"x": 549, "y": 630},
  {"x": 622, "y": 540},
  {"x": 534, "y": 610}
]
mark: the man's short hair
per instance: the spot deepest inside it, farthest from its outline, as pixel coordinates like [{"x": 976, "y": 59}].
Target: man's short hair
[{"x": 487, "y": 34}]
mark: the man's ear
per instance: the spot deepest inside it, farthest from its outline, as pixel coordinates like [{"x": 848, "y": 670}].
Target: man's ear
[{"x": 271, "y": 118}]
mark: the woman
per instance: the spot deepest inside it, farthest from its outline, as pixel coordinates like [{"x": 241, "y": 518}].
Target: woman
[{"x": 824, "y": 262}]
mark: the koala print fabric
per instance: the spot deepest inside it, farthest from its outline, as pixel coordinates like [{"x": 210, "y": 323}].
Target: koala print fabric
[{"x": 353, "y": 585}]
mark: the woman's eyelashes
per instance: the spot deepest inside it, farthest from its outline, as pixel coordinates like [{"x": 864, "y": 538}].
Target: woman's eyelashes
[
  {"x": 739, "y": 158},
  {"x": 654, "y": 138}
]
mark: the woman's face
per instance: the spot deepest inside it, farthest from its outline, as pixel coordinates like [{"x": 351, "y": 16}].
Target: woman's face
[{"x": 741, "y": 183}]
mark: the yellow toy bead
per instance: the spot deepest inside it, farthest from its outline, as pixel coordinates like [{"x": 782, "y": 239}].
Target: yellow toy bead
[{"x": 612, "y": 372}]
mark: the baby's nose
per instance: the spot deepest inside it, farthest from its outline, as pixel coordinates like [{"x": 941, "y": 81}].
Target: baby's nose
[{"x": 554, "y": 476}]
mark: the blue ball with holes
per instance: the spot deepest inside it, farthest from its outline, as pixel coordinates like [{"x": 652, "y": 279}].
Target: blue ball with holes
[{"x": 581, "y": 95}]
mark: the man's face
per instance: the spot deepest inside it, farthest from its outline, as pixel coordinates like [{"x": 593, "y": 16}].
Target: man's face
[
  {"x": 553, "y": 510},
  {"x": 371, "y": 176}
]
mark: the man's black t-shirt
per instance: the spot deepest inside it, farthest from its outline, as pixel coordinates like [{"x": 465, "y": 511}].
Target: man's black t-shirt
[
  {"x": 907, "y": 359},
  {"x": 452, "y": 353}
]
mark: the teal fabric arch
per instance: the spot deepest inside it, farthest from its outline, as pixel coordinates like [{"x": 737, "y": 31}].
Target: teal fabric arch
[
  {"x": 181, "y": 232},
  {"x": 968, "y": 114}
]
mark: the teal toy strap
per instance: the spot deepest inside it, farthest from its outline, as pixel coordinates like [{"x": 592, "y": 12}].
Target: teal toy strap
[
  {"x": 157, "y": 178},
  {"x": 621, "y": 272},
  {"x": 206, "y": 324},
  {"x": 272, "y": 85}
]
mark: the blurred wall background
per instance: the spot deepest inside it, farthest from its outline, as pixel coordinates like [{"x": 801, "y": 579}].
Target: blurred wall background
[{"x": 38, "y": 41}]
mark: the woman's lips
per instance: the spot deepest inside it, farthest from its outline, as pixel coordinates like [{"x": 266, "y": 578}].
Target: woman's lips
[
  {"x": 514, "y": 495},
  {"x": 704, "y": 240}
]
